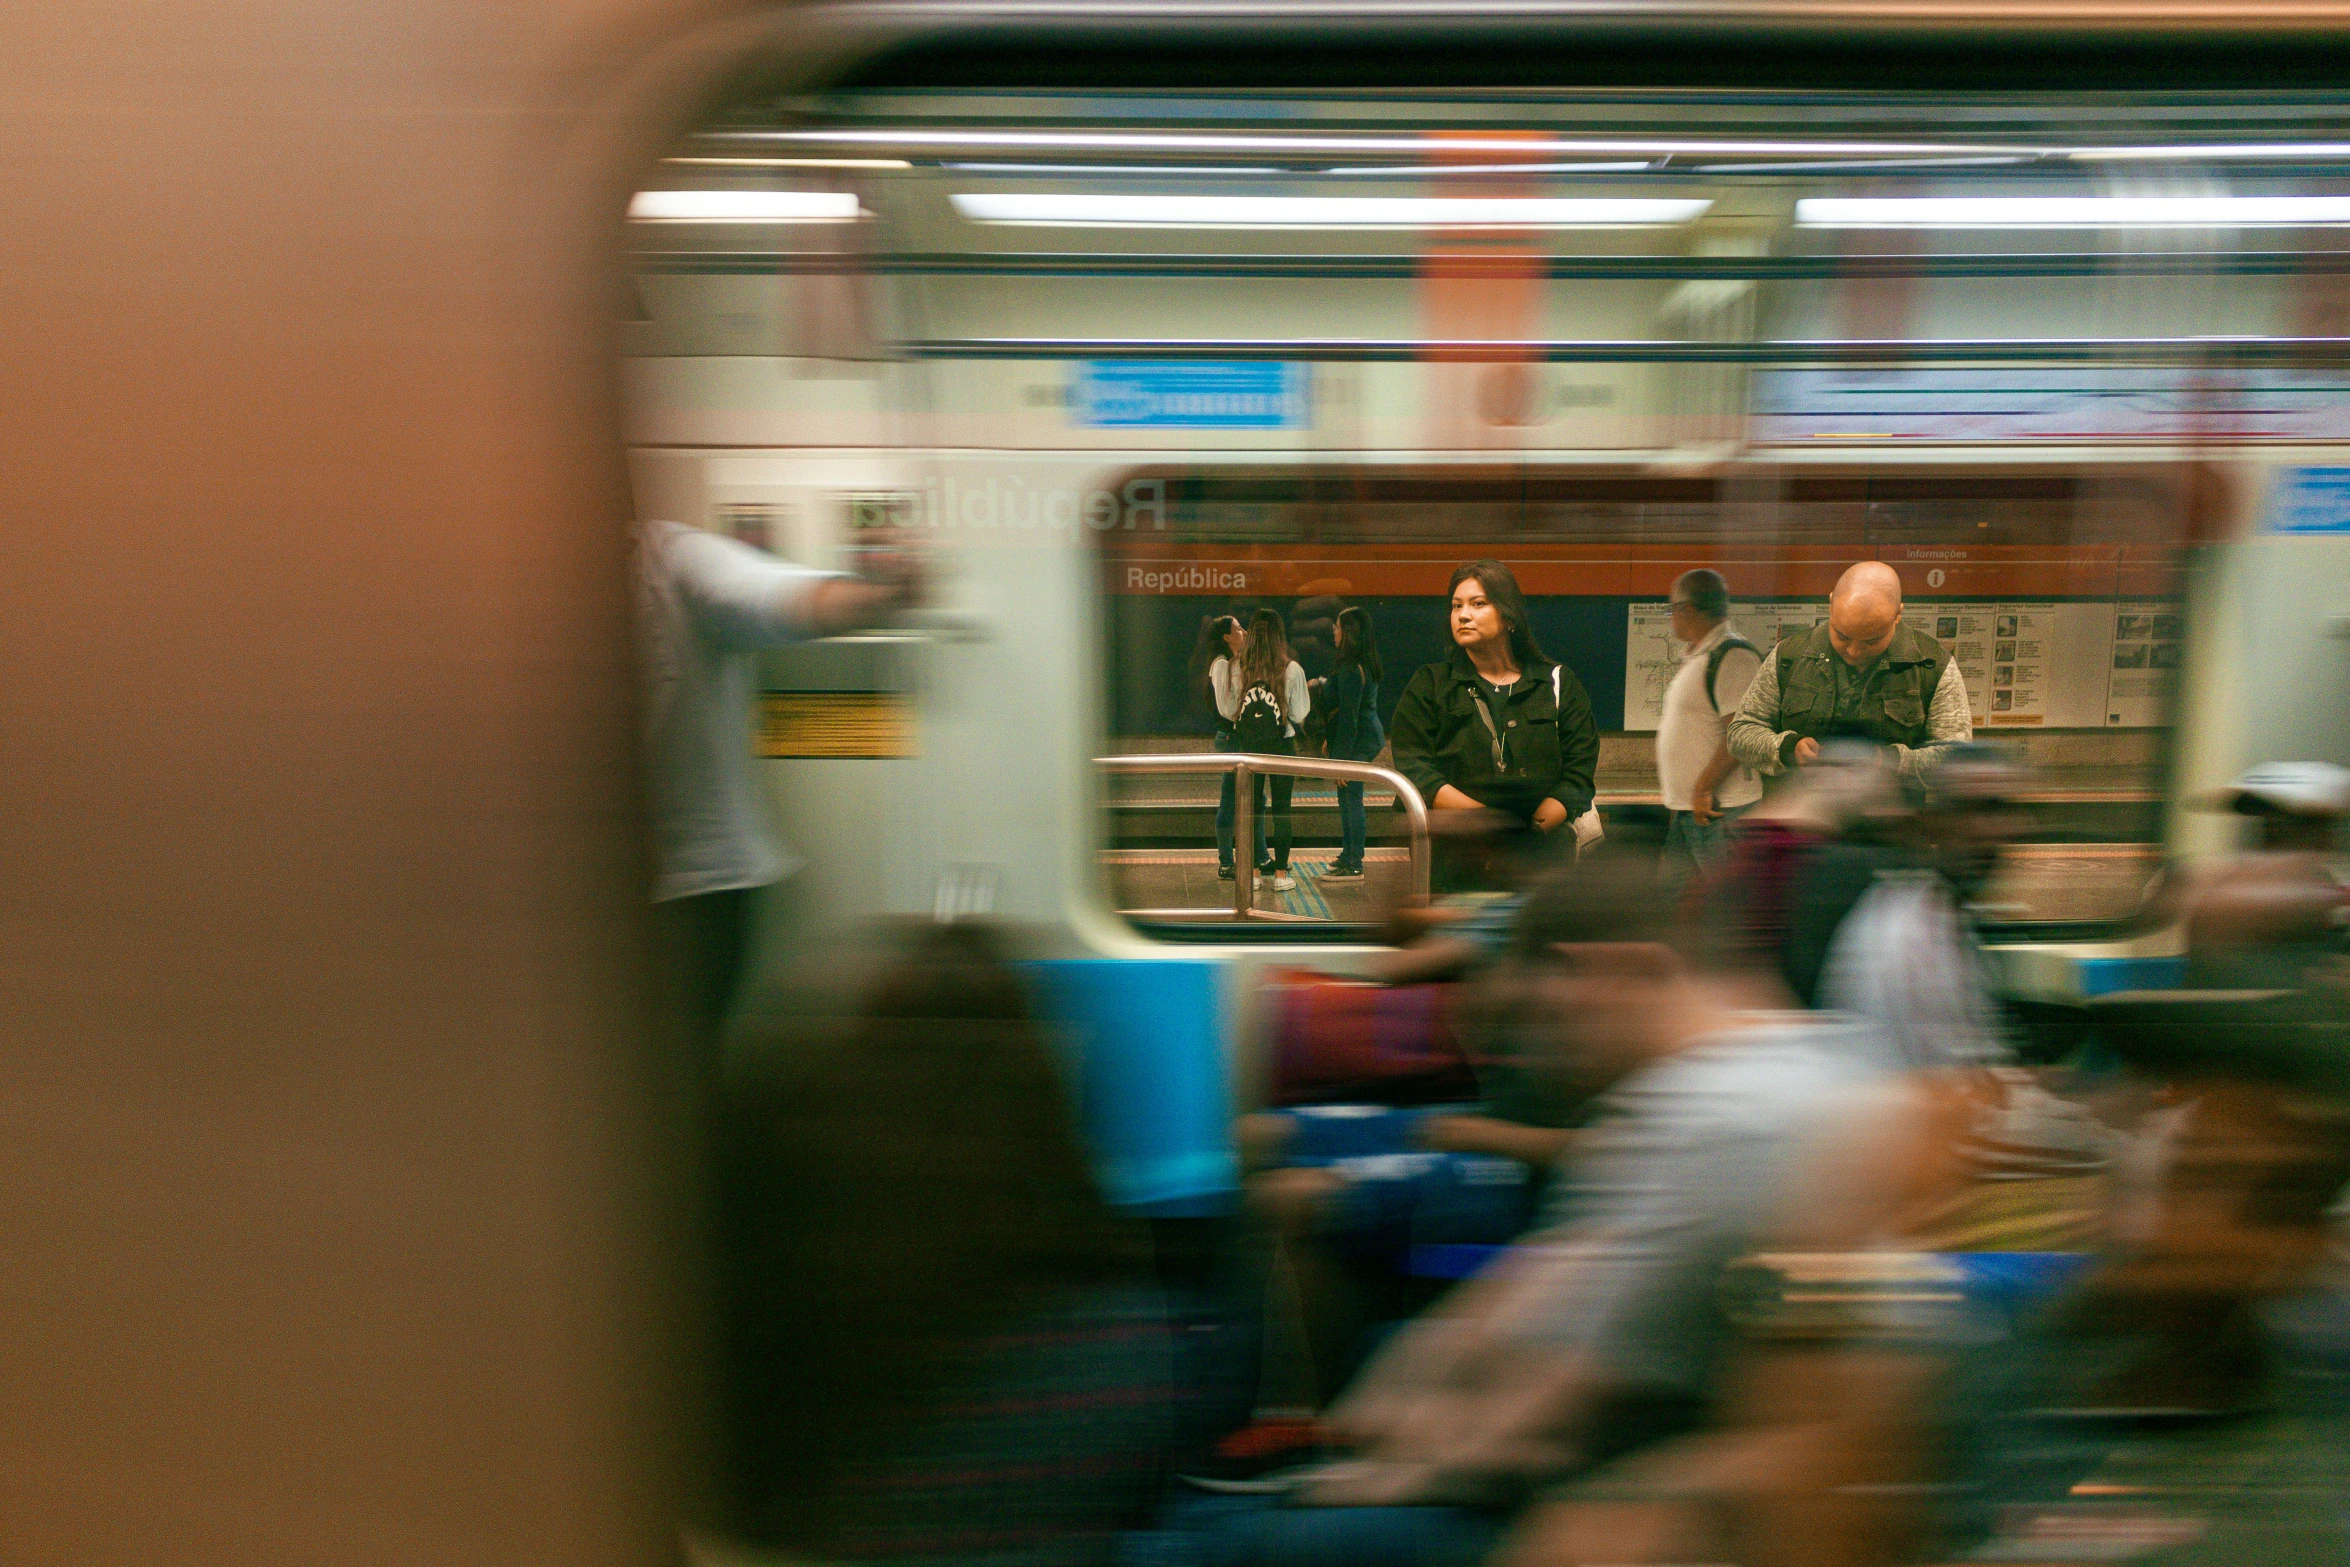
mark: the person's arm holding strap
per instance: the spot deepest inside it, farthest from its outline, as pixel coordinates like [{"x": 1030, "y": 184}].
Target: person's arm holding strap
[{"x": 750, "y": 599}]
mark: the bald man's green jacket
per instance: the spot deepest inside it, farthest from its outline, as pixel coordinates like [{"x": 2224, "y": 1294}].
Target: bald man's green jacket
[{"x": 1800, "y": 693}]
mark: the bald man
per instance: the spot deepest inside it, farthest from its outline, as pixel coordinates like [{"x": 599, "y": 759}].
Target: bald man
[{"x": 1863, "y": 674}]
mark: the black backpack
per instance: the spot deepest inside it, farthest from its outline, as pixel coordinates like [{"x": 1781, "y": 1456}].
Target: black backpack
[
  {"x": 1258, "y": 725},
  {"x": 1713, "y": 665}
]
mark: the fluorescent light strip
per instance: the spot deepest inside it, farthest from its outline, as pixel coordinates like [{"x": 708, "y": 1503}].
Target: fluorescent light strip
[
  {"x": 745, "y": 206},
  {"x": 1859, "y": 165},
  {"x": 2069, "y": 212},
  {"x": 2213, "y": 152},
  {"x": 1170, "y": 141},
  {"x": 1323, "y": 212},
  {"x": 1111, "y": 169},
  {"x": 798, "y": 163},
  {"x": 1425, "y": 170}
]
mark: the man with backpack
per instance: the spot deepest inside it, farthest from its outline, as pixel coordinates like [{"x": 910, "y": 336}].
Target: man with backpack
[{"x": 1705, "y": 788}]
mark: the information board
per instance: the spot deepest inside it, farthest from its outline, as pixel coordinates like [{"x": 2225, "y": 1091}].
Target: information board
[
  {"x": 2145, "y": 649},
  {"x": 2309, "y": 500},
  {"x": 1651, "y": 656},
  {"x": 1208, "y": 394}
]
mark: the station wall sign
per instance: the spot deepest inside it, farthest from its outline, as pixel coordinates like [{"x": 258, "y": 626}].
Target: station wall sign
[{"x": 1238, "y": 394}]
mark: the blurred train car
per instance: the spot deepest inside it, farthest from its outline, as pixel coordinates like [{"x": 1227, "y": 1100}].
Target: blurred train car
[
  {"x": 342, "y": 1198},
  {"x": 1121, "y": 361}
]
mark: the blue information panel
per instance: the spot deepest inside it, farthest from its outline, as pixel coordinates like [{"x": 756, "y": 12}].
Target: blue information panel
[
  {"x": 1216, "y": 394},
  {"x": 2310, "y": 500}
]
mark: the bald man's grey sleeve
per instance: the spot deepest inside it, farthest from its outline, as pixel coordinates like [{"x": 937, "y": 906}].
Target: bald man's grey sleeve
[
  {"x": 1949, "y": 720},
  {"x": 1754, "y": 736}
]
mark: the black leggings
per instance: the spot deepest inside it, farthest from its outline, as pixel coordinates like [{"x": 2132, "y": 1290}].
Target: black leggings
[{"x": 1282, "y": 786}]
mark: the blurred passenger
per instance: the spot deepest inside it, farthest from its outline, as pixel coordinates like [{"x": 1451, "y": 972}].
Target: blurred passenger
[
  {"x": 1263, "y": 695},
  {"x": 708, "y": 603},
  {"x": 1705, "y": 789},
  {"x": 949, "y": 1347},
  {"x": 1351, "y": 699},
  {"x": 1350, "y": 1187},
  {"x": 1908, "y": 956},
  {"x": 1498, "y": 725},
  {"x": 2261, "y": 920},
  {"x": 1802, "y": 858},
  {"x": 1863, "y": 674},
  {"x": 1909, "y": 961},
  {"x": 1494, "y": 858},
  {"x": 1599, "y": 1334},
  {"x": 2245, "y": 1149}
]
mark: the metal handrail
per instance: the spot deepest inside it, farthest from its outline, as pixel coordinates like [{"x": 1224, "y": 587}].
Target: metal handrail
[{"x": 1246, "y": 767}]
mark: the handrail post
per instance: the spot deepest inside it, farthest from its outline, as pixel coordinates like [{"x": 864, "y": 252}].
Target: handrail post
[
  {"x": 1244, "y": 841},
  {"x": 1244, "y": 770}
]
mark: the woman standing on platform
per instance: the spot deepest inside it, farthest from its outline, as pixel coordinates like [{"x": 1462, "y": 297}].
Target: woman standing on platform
[
  {"x": 1351, "y": 699},
  {"x": 1498, "y": 724},
  {"x": 1263, "y": 696},
  {"x": 1214, "y": 656}
]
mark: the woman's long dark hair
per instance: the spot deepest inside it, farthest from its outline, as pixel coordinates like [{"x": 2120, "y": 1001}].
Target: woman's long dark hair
[
  {"x": 1265, "y": 661},
  {"x": 1501, "y": 586},
  {"x": 1206, "y": 648},
  {"x": 896, "y": 1184},
  {"x": 1356, "y": 643}
]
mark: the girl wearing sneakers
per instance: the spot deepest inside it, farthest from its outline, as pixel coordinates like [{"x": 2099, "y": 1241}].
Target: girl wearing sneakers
[
  {"x": 1263, "y": 696},
  {"x": 1213, "y": 658},
  {"x": 1351, "y": 699}
]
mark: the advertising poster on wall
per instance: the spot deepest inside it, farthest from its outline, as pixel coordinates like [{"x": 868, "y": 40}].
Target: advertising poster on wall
[
  {"x": 2144, "y": 666},
  {"x": 1651, "y": 656},
  {"x": 1966, "y": 630}
]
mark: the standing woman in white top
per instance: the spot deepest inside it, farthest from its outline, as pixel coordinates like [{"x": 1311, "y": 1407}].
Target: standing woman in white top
[
  {"x": 1263, "y": 696},
  {"x": 1213, "y": 654},
  {"x": 1705, "y": 789}
]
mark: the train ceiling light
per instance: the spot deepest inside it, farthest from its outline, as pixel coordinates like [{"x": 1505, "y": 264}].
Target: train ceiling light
[
  {"x": 919, "y": 141},
  {"x": 2070, "y": 212},
  {"x": 1093, "y": 210},
  {"x": 746, "y": 206}
]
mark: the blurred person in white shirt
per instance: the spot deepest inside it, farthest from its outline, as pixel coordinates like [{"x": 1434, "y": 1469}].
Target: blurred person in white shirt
[{"x": 707, "y": 603}]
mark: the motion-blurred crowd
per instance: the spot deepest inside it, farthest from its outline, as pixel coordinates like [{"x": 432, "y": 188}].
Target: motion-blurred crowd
[{"x": 1609, "y": 1221}]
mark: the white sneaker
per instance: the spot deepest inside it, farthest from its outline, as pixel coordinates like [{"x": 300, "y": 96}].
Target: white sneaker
[{"x": 1284, "y": 882}]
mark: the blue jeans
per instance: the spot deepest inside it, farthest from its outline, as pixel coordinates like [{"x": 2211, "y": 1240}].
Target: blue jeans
[
  {"x": 1693, "y": 848},
  {"x": 1353, "y": 830},
  {"x": 1279, "y": 787}
]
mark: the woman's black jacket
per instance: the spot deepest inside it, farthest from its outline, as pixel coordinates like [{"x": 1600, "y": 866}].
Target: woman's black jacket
[{"x": 1534, "y": 748}]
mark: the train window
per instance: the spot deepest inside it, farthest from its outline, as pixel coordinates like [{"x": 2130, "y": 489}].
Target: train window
[
  {"x": 1123, "y": 362},
  {"x": 2021, "y": 576}
]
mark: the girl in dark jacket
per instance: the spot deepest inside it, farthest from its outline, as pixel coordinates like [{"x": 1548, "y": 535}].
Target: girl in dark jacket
[
  {"x": 1498, "y": 724},
  {"x": 1351, "y": 698}
]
